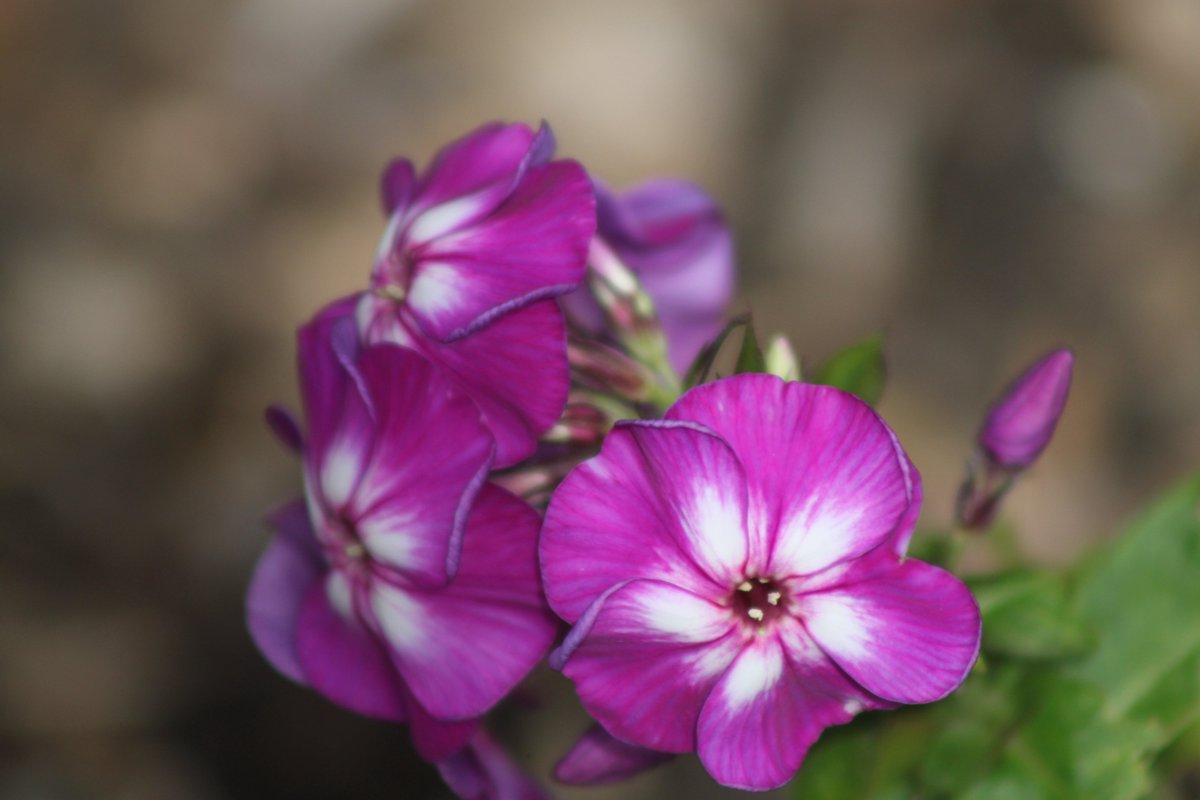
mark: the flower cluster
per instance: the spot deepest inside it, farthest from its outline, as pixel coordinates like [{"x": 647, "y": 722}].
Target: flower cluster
[{"x": 730, "y": 558}]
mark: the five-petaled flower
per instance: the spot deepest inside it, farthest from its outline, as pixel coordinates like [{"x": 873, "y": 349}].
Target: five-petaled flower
[
  {"x": 406, "y": 586},
  {"x": 736, "y": 578},
  {"x": 475, "y": 250}
]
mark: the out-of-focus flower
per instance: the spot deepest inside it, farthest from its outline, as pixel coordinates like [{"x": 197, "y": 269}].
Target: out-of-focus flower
[
  {"x": 736, "y": 579},
  {"x": 474, "y": 252},
  {"x": 599, "y": 758},
  {"x": 406, "y": 587},
  {"x": 483, "y": 771},
  {"x": 1022, "y": 422},
  {"x": 1018, "y": 427},
  {"x": 675, "y": 240}
]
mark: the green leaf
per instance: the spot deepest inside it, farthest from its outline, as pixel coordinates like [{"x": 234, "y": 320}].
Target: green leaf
[
  {"x": 859, "y": 369},
  {"x": 750, "y": 359},
  {"x": 1143, "y": 597},
  {"x": 1073, "y": 748},
  {"x": 697, "y": 373},
  {"x": 1028, "y": 614}
]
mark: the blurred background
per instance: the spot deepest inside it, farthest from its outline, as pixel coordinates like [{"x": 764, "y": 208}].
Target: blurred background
[{"x": 183, "y": 182}]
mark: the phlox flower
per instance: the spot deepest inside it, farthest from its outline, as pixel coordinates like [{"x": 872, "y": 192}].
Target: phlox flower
[
  {"x": 736, "y": 578},
  {"x": 404, "y": 586},
  {"x": 475, "y": 250}
]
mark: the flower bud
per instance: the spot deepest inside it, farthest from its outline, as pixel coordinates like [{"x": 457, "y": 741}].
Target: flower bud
[
  {"x": 1021, "y": 423},
  {"x": 1017, "y": 429}
]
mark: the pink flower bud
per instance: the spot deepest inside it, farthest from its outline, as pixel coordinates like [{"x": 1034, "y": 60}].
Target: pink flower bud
[{"x": 1021, "y": 423}]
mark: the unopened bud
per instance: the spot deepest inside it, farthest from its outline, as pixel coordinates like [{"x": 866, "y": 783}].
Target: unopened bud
[
  {"x": 781, "y": 359},
  {"x": 1022, "y": 422},
  {"x": 606, "y": 369}
]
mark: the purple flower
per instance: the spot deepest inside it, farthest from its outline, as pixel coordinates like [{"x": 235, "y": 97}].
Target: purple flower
[
  {"x": 1022, "y": 422},
  {"x": 405, "y": 587},
  {"x": 674, "y": 238},
  {"x": 483, "y": 771},
  {"x": 474, "y": 252},
  {"x": 736, "y": 579}
]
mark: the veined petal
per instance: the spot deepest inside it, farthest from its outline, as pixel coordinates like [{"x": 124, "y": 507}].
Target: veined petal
[
  {"x": 341, "y": 659},
  {"x": 663, "y": 500},
  {"x": 767, "y": 710},
  {"x": 533, "y": 246},
  {"x": 462, "y": 647},
  {"x": 908, "y": 633},
  {"x": 826, "y": 483},
  {"x": 516, "y": 372},
  {"x": 288, "y": 568},
  {"x": 644, "y": 658},
  {"x": 599, "y": 758},
  {"x": 490, "y": 154},
  {"x": 431, "y": 453}
]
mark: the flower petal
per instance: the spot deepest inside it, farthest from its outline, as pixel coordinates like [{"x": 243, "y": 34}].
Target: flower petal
[
  {"x": 462, "y": 647},
  {"x": 488, "y": 155},
  {"x": 436, "y": 739},
  {"x": 431, "y": 454},
  {"x": 343, "y": 660},
  {"x": 339, "y": 414},
  {"x": 643, "y": 659},
  {"x": 483, "y": 771},
  {"x": 767, "y": 710},
  {"x": 908, "y": 632},
  {"x": 288, "y": 568},
  {"x": 599, "y": 758},
  {"x": 516, "y": 372},
  {"x": 826, "y": 482},
  {"x": 397, "y": 185},
  {"x": 532, "y": 247},
  {"x": 663, "y": 500}
]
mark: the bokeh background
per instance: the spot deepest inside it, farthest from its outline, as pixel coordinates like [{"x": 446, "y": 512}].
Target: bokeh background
[{"x": 182, "y": 182}]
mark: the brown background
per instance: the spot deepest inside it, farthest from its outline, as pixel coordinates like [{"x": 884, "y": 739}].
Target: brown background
[{"x": 181, "y": 183}]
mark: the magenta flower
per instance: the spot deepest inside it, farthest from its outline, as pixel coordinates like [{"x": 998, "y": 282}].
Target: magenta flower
[
  {"x": 736, "y": 579},
  {"x": 474, "y": 252},
  {"x": 1022, "y": 422},
  {"x": 674, "y": 238},
  {"x": 406, "y": 587}
]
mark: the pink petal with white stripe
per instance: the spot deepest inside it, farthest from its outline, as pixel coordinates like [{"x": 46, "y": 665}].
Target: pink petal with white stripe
[
  {"x": 409, "y": 511},
  {"x": 532, "y": 247},
  {"x": 908, "y": 633},
  {"x": 340, "y": 417},
  {"x": 826, "y": 482},
  {"x": 663, "y": 500},
  {"x": 288, "y": 568},
  {"x": 767, "y": 710},
  {"x": 343, "y": 660},
  {"x": 490, "y": 154},
  {"x": 462, "y": 647},
  {"x": 645, "y": 657}
]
